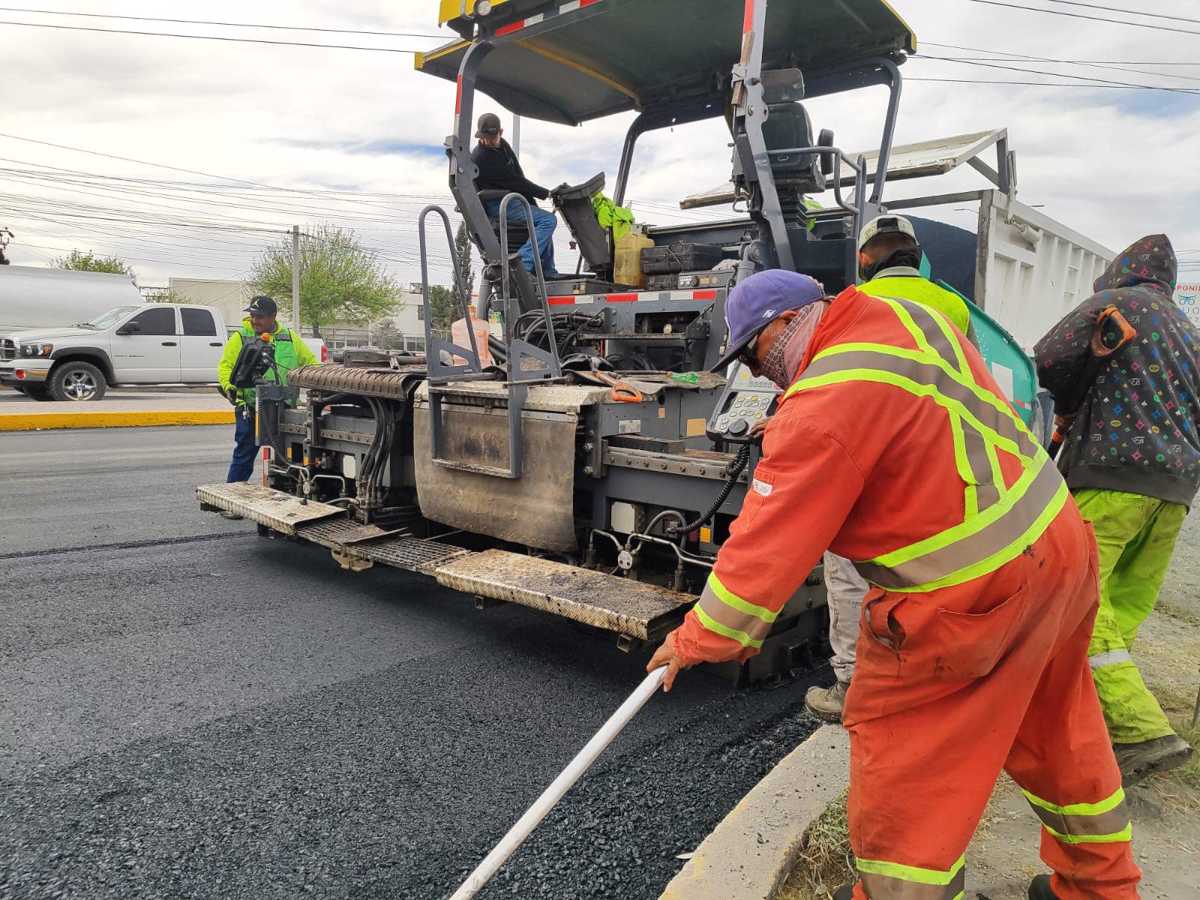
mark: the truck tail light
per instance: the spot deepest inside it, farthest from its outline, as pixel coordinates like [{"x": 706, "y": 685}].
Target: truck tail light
[
  {"x": 266, "y": 462},
  {"x": 324, "y": 354},
  {"x": 20, "y": 373}
]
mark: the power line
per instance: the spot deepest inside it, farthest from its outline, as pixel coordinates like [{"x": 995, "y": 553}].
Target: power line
[
  {"x": 1120, "y": 9},
  {"x": 57, "y": 12},
  {"x": 1044, "y": 84},
  {"x": 210, "y": 37},
  {"x": 1099, "y": 81},
  {"x": 1108, "y": 65},
  {"x": 1071, "y": 15},
  {"x": 140, "y": 162}
]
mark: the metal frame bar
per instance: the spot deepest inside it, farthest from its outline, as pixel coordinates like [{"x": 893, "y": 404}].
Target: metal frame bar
[{"x": 462, "y": 168}]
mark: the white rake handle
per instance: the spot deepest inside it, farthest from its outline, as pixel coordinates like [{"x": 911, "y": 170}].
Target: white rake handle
[{"x": 564, "y": 782}]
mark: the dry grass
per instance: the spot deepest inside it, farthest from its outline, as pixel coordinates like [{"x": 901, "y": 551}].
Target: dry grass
[{"x": 825, "y": 863}]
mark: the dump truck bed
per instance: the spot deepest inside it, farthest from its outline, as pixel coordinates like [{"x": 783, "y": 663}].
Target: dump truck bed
[{"x": 569, "y": 62}]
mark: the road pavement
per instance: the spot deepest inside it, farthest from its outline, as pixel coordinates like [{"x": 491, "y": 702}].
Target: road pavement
[{"x": 190, "y": 711}]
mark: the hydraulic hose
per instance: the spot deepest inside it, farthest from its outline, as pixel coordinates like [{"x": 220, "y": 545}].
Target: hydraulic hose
[{"x": 732, "y": 472}]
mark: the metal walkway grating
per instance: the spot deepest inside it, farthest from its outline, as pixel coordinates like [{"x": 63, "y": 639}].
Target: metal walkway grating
[{"x": 414, "y": 554}]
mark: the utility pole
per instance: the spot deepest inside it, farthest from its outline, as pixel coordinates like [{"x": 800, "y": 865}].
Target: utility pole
[
  {"x": 296, "y": 277},
  {"x": 516, "y": 141}
]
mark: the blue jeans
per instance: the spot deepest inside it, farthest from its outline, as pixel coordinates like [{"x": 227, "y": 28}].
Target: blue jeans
[
  {"x": 544, "y": 224},
  {"x": 245, "y": 447}
]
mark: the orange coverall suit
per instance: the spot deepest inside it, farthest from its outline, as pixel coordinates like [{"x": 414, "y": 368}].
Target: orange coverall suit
[{"x": 896, "y": 449}]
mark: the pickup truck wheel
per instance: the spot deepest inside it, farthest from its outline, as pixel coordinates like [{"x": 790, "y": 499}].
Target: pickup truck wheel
[{"x": 79, "y": 381}]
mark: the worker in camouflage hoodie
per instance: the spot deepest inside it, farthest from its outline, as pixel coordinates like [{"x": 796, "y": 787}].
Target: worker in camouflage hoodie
[{"x": 1132, "y": 459}]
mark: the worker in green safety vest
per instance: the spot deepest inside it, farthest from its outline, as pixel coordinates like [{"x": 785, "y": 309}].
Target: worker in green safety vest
[
  {"x": 889, "y": 260},
  {"x": 290, "y": 353}
]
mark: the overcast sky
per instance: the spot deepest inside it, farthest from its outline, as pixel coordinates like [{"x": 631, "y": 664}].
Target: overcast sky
[{"x": 1112, "y": 163}]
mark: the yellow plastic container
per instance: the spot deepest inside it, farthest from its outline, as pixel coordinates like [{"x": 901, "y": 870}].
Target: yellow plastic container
[{"x": 627, "y": 266}]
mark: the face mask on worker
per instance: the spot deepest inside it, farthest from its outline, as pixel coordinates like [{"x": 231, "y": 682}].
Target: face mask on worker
[{"x": 788, "y": 351}]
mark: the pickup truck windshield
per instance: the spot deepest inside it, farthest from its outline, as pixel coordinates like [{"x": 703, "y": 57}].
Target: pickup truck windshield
[{"x": 103, "y": 321}]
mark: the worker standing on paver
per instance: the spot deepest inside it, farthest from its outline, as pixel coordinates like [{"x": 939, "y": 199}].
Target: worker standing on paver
[
  {"x": 290, "y": 352},
  {"x": 1132, "y": 458},
  {"x": 894, "y": 446},
  {"x": 889, "y": 261}
]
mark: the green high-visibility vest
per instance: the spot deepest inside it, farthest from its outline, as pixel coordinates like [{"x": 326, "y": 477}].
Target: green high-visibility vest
[
  {"x": 919, "y": 289},
  {"x": 287, "y": 356}
]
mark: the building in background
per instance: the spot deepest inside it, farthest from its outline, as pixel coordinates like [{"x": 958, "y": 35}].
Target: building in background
[{"x": 404, "y": 330}]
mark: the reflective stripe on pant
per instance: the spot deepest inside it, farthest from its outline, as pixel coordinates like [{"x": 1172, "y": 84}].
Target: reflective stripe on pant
[
  {"x": 245, "y": 447},
  {"x": 845, "y": 589},
  {"x": 952, "y": 687},
  {"x": 1136, "y": 537}
]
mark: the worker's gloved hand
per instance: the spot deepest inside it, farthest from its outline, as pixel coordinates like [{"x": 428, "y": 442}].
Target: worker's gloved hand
[
  {"x": 1063, "y": 423},
  {"x": 665, "y": 656},
  {"x": 758, "y": 428}
]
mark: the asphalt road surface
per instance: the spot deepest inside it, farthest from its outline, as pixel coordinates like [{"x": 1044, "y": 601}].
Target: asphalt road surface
[{"x": 187, "y": 710}]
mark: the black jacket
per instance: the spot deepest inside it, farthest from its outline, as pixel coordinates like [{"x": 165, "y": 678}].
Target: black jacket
[
  {"x": 1137, "y": 428},
  {"x": 499, "y": 170}
]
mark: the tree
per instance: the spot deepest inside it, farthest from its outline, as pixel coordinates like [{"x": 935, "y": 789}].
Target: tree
[
  {"x": 79, "y": 261},
  {"x": 388, "y": 337},
  {"x": 463, "y": 250},
  {"x": 444, "y": 308},
  {"x": 165, "y": 295},
  {"x": 340, "y": 280}
]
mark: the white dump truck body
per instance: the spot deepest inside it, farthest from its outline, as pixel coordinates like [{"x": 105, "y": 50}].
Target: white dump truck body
[
  {"x": 1031, "y": 270},
  {"x": 32, "y": 297}
]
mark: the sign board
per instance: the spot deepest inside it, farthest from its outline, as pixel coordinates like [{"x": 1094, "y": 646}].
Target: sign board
[{"x": 1187, "y": 298}]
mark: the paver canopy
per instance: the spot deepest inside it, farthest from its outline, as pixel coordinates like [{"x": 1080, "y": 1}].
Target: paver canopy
[{"x": 615, "y": 55}]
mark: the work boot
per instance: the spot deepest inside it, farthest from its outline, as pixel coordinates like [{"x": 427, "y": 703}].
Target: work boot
[
  {"x": 1039, "y": 889},
  {"x": 1140, "y": 760},
  {"x": 827, "y": 703},
  {"x": 230, "y": 514}
]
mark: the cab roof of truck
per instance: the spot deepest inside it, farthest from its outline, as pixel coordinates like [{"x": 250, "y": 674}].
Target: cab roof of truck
[{"x": 569, "y": 62}]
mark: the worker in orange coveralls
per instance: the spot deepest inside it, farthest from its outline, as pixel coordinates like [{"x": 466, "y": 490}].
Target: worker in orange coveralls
[{"x": 893, "y": 446}]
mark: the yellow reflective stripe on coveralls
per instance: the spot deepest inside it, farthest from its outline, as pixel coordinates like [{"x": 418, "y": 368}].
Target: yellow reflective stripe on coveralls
[
  {"x": 1106, "y": 822},
  {"x": 722, "y": 611},
  {"x": 999, "y": 522},
  {"x": 893, "y": 881}
]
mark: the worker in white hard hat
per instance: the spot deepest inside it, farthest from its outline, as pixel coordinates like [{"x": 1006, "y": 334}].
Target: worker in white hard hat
[{"x": 889, "y": 260}]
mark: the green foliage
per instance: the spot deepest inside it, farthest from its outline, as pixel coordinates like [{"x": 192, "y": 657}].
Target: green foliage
[
  {"x": 463, "y": 250},
  {"x": 443, "y": 308},
  {"x": 340, "y": 281},
  {"x": 79, "y": 261},
  {"x": 165, "y": 295}
]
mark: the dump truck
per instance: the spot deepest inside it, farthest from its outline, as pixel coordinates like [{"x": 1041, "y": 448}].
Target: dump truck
[{"x": 579, "y": 457}]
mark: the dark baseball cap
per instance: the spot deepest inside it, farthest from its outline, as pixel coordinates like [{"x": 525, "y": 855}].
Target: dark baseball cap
[
  {"x": 262, "y": 306},
  {"x": 489, "y": 123},
  {"x": 761, "y": 299}
]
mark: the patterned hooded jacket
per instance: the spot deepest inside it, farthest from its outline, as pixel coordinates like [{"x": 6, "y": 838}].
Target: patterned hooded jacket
[{"x": 1137, "y": 428}]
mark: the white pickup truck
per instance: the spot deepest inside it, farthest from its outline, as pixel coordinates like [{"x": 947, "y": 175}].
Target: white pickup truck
[{"x": 148, "y": 344}]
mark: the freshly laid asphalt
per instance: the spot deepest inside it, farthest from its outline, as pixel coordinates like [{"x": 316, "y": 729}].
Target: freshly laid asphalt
[{"x": 187, "y": 710}]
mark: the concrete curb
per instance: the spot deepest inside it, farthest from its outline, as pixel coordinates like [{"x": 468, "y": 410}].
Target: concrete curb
[
  {"x": 751, "y": 853},
  {"x": 148, "y": 418}
]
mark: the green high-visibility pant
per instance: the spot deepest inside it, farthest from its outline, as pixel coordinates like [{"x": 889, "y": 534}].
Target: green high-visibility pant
[{"x": 1136, "y": 537}]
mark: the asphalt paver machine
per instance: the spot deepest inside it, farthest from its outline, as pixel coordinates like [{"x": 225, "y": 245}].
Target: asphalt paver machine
[{"x": 579, "y": 458}]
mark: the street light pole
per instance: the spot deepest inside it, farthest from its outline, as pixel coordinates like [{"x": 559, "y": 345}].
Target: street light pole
[{"x": 296, "y": 277}]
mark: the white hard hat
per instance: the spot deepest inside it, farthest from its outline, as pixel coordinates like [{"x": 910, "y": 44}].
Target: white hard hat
[{"x": 886, "y": 225}]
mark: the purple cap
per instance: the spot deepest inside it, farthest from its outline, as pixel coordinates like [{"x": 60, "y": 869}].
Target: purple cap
[{"x": 761, "y": 299}]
